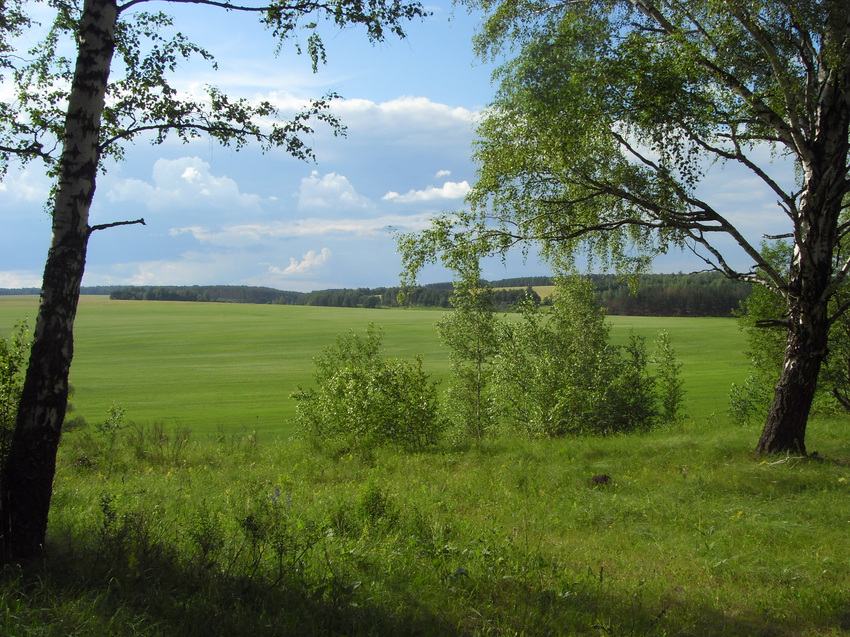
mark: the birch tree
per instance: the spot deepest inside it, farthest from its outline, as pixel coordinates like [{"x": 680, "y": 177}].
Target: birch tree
[
  {"x": 70, "y": 111},
  {"x": 607, "y": 116}
]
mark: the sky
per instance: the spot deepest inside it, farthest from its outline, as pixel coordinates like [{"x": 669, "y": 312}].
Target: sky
[{"x": 217, "y": 216}]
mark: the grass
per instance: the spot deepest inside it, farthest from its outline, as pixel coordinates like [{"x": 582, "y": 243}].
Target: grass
[
  {"x": 210, "y": 366},
  {"x": 158, "y": 531},
  {"x": 153, "y": 533}
]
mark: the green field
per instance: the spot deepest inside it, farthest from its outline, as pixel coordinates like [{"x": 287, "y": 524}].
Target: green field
[
  {"x": 210, "y": 366},
  {"x": 157, "y": 532}
]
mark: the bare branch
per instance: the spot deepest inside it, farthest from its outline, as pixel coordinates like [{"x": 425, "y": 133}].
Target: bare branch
[{"x": 115, "y": 224}]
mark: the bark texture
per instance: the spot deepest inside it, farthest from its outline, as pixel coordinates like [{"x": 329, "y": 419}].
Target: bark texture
[
  {"x": 810, "y": 279},
  {"x": 26, "y": 484},
  {"x": 785, "y": 428}
]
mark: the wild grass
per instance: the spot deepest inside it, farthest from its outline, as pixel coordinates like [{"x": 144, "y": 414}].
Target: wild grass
[{"x": 156, "y": 533}]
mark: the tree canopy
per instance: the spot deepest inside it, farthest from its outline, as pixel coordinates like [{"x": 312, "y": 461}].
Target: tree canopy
[{"x": 607, "y": 117}]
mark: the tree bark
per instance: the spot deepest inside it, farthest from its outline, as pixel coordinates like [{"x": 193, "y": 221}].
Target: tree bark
[
  {"x": 26, "y": 482},
  {"x": 785, "y": 428}
]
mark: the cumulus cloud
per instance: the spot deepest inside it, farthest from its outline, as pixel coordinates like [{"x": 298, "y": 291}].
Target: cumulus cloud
[
  {"x": 25, "y": 185},
  {"x": 442, "y": 173},
  {"x": 330, "y": 192},
  {"x": 309, "y": 263},
  {"x": 449, "y": 190},
  {"x": 184, "y": 183},
  {"x": 404, "y": 117}
]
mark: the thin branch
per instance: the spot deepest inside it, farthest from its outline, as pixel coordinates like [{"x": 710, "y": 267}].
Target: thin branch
[
  {"x": 787, "y": 133},
  {"x": 300, "y": 6},
  {"x": 691, "y": 220},
  {"x": 789, "y": 95},
  {"x": 205, "y": 128},
  {"x": 35, "y": 149},
  {"x": 114, "y": 224},
  {"x": 765, "y": 323},
  {"x": 740, "y": 157}
]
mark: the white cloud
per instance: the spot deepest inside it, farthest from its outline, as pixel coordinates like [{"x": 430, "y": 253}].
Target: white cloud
[
  {"x": 443, "y": 173},
  {"x": 449, "y": 190},
  {"x": 183, "y": 183},
  {"x": 404, "y": 117},
  {"x": 330, "y": 192},
  {"x": 28, "y": 185},
  {"x": 19, "y": 279},
  {"x": 309, "y": 263},
  {"x": 244, "y": 235}
]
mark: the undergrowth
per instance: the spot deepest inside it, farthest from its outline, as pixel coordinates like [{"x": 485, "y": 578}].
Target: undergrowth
[{"x": 154, "y": 532}]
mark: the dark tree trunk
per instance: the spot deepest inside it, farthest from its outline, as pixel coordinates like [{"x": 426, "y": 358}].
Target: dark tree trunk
[
  {"x": 26, "y": 482},
  {"x": 785, "y": 428}
]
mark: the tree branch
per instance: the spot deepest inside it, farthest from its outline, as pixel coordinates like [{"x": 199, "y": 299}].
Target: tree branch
[
  {"x": 300, "y": 6},
  {"x": 114, "y": 224}
]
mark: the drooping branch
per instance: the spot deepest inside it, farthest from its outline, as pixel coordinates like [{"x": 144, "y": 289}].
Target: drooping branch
[
  {"x": 788, "y": 200},
  {"x": 790, "y": 136},
  {"x": 690, "y": 220}
]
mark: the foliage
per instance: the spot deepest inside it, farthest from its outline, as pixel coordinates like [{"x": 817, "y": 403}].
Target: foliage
[
  {"x": 760, "y": 317},
  {"x": 557, "y": 374},
  {"x": 143, "y": 100},
  {"x": 668, "y": 379},
  {"x": 765, "y": 344},
  {"x": 607, "y": 119},
  {"x": 470, "y": 332},
  {"x": 13, "y": 352},
  {"x": 365, "y": 400}
]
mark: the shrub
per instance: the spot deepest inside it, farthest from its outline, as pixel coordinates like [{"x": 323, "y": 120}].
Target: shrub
[
  {"x": 557, "y": 374},
  {"x": 13, "y": 352},
  {"x": 669, "y": 381},
  {"x": 471, "y": 335},
  {"x": 364, "y": 400}
]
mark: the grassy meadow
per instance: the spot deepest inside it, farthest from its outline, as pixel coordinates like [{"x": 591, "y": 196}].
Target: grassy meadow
[
  {"x": 210, "y": 366},
  {"x": 238, "y": 529}
]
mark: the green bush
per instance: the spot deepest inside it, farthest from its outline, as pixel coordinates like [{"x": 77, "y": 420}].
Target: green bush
[
  {"x": 557, "y": 374},
  {"x": 364, "y": 400},
  {"x": 470, "y": 334},
  {"x": 13, "y": 351}
]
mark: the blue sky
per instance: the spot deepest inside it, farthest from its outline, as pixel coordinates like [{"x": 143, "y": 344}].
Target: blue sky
[{"x": 216, "y": 216}]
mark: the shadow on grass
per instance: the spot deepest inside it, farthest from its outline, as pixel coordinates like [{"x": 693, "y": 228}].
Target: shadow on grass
[
  {"x": 71, "y": 592},
  {"x": 74, "y": 591}
]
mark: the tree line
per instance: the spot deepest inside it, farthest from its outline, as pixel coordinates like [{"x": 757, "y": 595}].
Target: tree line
[{"x": 698, "y": 294}]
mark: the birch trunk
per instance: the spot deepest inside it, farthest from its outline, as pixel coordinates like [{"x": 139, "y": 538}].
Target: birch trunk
[
  {"x": 808, "y": 293},
  {"x": 26, "y": 483},
  {"x": 785, "y": 428}
]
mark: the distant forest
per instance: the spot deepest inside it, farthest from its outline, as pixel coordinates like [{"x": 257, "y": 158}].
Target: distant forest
[{"x": 701, "y": 294}]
